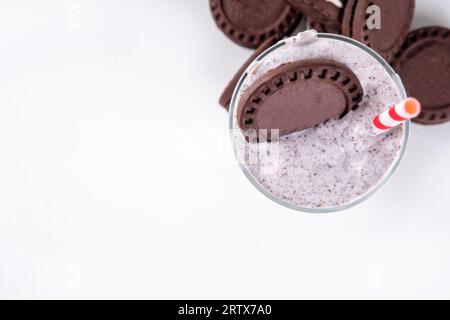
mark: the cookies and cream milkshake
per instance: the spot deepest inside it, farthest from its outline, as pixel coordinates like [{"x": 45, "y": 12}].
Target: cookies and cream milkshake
[{"x": 338, "y": 162}]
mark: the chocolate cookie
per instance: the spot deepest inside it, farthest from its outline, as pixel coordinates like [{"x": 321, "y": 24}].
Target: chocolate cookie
[
  {"x": 321, "y": 27},
  {"x": 396, "y": 18},
  {"x": 250, "y": 22},
  {"x": 347, "y": 17},
  {"x": 299, "y": 95},
  {"x": 322, "y": 11},
  {"x": 423, "y": 64},
  {"x": 227, "y": 94}
]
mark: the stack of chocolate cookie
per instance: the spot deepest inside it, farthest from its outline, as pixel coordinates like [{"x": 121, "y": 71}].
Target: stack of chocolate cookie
[
  {"x": 354, "y": 18},
  {"x": 421, "y": 58}
]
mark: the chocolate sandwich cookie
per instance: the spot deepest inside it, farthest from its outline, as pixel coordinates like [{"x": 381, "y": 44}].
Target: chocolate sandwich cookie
[
  {"x": 299, "y": 95},
  {"x": 227, "y": 94},
  {"x": 250, "y": 22},
  {"x": 395, "y": 22},
  {"x": 321, "y": 27},
  {"x": 423, "y": 64},
  {"x": 326, "y": 12},
  {"x": 347, "y": 17}
]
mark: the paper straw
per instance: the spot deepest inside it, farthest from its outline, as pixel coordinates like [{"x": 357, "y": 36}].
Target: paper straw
[{"x": 396, "y": 115}]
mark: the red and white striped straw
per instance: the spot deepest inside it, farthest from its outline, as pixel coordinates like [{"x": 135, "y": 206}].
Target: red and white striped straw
[{"x": 396, "y": 115}]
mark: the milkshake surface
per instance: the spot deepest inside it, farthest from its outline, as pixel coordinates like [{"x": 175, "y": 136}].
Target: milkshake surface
[{"x": 340, "y": 162}]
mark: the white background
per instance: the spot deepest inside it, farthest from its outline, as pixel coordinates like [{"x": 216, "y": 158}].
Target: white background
[{"x": 117, "y": 178}]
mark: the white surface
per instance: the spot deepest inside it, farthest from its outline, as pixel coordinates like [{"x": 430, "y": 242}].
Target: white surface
[{"x": 101, "y": 102}]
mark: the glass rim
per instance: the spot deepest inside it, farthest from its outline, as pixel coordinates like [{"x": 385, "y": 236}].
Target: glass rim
[{"x": 394, "y": 76}]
